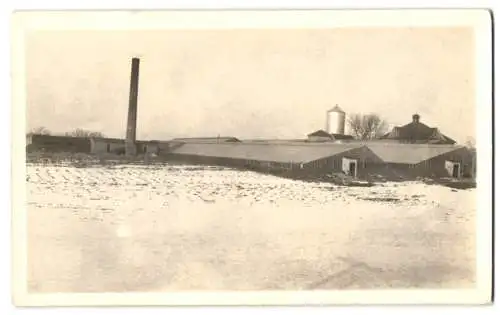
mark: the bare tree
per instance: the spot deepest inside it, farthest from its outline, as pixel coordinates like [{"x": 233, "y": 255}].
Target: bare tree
[
  {"x": 82, "y": 133},
  {"x": 470, "y": 143},
  {"x": 39, "y": 131},
  {"x": 366, "y": 127}
]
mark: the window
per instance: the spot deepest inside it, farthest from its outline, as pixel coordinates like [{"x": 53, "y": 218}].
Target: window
[{"x": 108, "y": 147}]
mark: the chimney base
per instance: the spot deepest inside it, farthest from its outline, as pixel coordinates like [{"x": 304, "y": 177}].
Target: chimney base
[{"x": 130, "y": 148}]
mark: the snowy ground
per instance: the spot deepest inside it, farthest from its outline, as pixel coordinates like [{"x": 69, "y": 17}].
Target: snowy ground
[{"x": 138, "y": 228}]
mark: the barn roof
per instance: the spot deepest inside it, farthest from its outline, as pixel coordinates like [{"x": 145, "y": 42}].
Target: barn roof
[
  {"x": 323, "y": 133},
  {"x": 320, "y": 133},
  {"x": 274, "y": 141},
  {"x": 108, "y": 140},
  {"x": 208, "y": 139},
  {"x": 122, "y": 141},
  {"x": 265, "y": 152},
  {"x": 409, "y": 153},
  {"x": 417, "y": 131}
]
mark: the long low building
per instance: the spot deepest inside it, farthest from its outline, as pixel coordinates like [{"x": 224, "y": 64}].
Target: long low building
[
  {"x": 36, "y": 142},
  {"x": 359, "y": 159},
  {"x": 352, "y": 159},
  {"x": 51, "y": 143},
  {"x": 356, "y": 158}
]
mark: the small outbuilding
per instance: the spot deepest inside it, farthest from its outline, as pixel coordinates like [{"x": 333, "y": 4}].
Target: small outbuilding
[{"x": 323, "y": 136}]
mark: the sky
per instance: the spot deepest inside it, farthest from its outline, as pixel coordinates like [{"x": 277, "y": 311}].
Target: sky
[{"x": 250, "y": 83}]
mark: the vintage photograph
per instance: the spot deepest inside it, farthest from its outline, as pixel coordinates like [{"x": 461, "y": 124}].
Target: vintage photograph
[{"x": 223, "y": 158}]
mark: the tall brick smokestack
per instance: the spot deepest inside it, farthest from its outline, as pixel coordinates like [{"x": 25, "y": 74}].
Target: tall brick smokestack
[{"x": 130, "y": 147}]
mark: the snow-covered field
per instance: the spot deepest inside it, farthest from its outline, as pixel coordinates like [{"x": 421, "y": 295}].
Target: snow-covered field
[{"x": 159, "y": 228}]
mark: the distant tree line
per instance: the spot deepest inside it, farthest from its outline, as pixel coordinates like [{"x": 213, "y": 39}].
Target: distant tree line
[
  {"x": 80, "y": 133},
  {"x": 39, "y": 131}
]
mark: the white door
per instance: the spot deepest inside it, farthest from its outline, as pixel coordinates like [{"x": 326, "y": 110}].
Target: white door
[{"x": 350, "y": 167}]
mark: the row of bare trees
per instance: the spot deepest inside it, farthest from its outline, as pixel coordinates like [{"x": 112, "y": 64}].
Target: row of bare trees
[{"x": 81, "y": 133}]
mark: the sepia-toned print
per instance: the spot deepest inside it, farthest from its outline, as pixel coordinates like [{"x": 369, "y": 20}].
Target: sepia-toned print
[{"x": 271, "y": 159}]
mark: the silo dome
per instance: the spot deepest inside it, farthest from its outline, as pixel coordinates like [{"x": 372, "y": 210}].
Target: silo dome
[{"x": 335, "y": 120}]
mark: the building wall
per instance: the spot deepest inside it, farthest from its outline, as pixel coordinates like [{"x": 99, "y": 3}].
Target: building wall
[
  {"x": 153, "y": 148},
  {"x": 368, "y": 165},
  {"x": 58, "y": 144},
  {"x": 395, "y": 171},
  {"x": 473, "y": 167},
  {"x": 107, "y": 146},
  {"x": 318, "y": 139},
  {"x": 165, "y": 147},
  {"x": 141, "y": 147},
  {"x": 365, "y": 160},
  {"x": 100, "y": 145},
  {"x": 431, "y": 168},
  {"x": 436, "y": 167}
]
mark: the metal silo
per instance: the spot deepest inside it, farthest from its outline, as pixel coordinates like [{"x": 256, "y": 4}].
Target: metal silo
[{"x": 335, "y": 120}]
